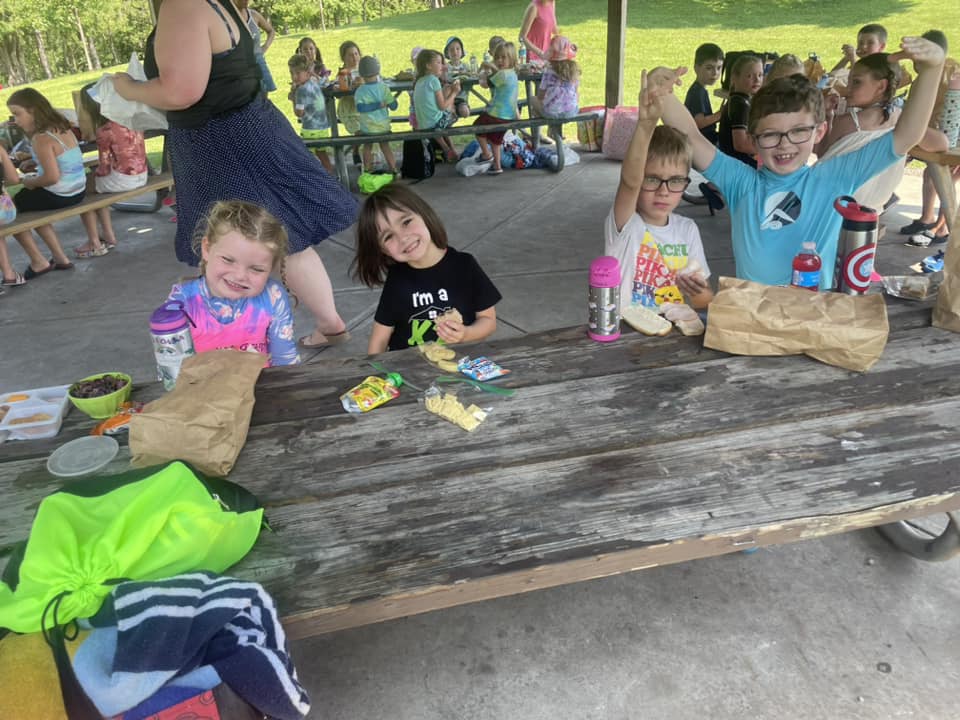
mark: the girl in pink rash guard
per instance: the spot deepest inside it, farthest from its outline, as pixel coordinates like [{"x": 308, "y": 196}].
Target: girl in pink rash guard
[{"x": 234, "y": 303}]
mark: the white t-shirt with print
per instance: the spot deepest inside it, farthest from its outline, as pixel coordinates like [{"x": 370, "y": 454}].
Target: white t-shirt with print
[{"x": 651, "y": 256}]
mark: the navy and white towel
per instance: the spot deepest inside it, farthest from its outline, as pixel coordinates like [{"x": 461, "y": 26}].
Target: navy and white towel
[{"x": 151, "y": 634}]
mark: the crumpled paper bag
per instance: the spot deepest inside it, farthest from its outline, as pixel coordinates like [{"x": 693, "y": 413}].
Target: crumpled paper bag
[
  {"x": 747, "y": 318},
  {"x": 205, "y": 418},
  {"x": 129, "y": 113},
  {"x": 946, "y": 313}
]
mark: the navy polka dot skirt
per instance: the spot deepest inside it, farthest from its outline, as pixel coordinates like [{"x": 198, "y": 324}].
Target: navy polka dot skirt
[{"x": 254, "y": 154}]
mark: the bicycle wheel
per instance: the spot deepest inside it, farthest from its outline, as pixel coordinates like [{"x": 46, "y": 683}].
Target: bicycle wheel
[{"x": 933, "y": 538}]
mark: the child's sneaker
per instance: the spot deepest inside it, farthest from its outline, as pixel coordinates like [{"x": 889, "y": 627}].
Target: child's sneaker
[
  {"x": 921, "y": 239},
  {"x": 934, "y": 263}
]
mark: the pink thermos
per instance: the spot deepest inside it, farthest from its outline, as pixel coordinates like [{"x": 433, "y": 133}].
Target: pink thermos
[{"x": 604, "y": 299}]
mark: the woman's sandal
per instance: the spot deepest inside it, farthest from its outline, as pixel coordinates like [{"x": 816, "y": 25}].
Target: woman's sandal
[
  {"x": 91, "y": 252},
  {"x": 18, "y": 280},
  {"x": 335, "y": 339},
  {"x": 30, "y": 273}
]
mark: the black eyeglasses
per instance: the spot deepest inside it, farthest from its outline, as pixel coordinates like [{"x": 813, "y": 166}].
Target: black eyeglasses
[
  {"x": 795, "y": 135},
  {"x": 675, "y": 184}
]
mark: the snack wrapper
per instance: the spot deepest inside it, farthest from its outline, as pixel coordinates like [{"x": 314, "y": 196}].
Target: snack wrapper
[
  {"x": 371, "y": 393},
  {"x": 481, "y": 368},
  {"x": 120, "y": 422}
]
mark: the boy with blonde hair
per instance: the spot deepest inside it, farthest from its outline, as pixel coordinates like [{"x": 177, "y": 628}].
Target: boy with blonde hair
[{"x": 660, "y": 253}]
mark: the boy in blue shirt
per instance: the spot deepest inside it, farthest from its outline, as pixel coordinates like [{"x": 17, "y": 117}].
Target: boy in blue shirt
[
  {"x": 786, "y": 202},
  {"x": 309, "y": 105},
  {"x": 707, "y": 64},
  {"x": 374, "y": 101}
]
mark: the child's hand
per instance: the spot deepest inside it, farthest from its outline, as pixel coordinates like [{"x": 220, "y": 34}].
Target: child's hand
[
  {"x": 649, "y": 104},
  {"x": 925, "y": 54},
  {"x": 450, "y": 331},
  {"x": 662, "y": 80},
  {"x": 691, "y": 284},
  {"x": 849, "y": 53}
]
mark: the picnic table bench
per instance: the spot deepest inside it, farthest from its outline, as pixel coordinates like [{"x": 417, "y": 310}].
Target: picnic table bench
[
  {"x": 609, "y": 458},
  {"x": 340, "y": 143},
  {"x": 91, "y": 201}
]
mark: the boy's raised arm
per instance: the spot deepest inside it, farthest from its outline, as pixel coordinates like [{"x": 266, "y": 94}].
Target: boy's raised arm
[
  {"x": 635, "y": 162},
  {"x": 928, "y": 62},
  {"x": 675, "y": 114}
]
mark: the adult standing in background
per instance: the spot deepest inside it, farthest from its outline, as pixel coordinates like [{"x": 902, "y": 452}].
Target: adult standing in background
[
  {"x": 255, "y": 21},
  {"x": 228, "y": 142},
  {"x": 538, "y": 27}
]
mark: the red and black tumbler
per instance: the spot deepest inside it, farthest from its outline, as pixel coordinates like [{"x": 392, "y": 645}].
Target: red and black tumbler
[{"x": 857, "y": 246}]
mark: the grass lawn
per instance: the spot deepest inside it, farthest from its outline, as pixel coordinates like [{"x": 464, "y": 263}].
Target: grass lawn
[{"x": 662, "y": 33}]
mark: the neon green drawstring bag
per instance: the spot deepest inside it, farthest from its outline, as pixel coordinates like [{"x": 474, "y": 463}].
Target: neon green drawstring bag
[{"x": 142, "y": 525}]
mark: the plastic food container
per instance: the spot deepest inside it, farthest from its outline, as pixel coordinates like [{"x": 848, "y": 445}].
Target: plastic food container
[
  {"x": 106, "y": 405},
  {"x": 913, "y": 287},
  {"x": 33, "y": 414}
]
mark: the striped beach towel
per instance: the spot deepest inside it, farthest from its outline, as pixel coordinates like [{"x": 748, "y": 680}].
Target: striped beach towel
[{"x": 149, "y": 634}]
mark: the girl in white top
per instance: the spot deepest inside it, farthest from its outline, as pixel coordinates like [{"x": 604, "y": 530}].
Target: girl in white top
[
  {"x": 59, "y": 180},
  {"x": 870, "y": 113}
]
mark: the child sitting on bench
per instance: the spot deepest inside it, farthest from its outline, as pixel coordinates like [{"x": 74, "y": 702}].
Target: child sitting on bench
[
  {"x": 122, "y": 166},
  {"x": 60, "y": 180}
]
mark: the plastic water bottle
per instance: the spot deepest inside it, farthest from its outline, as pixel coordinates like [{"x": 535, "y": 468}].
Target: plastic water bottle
[
  {"x": 487, "y": 57},
  {"x": 806, "y": 268},
  {"x": 603, "y": 301},
  {"x": 522, "y": 56},
  {"x": 172, "y": 342},
  {"x": 473, "y": 64}
]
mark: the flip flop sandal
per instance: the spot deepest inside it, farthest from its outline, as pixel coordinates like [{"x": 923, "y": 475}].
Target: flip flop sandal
[
  {"x": 91, "y": 252},
  {"x": 30, "y": 273},
  {"x": 495, "y": 171},
  {"x": 940, "y": 239},
  {"x": 337, "y": 339},
  {"x": 18, "y": 280},
  {"x": 62, "y": 266}
]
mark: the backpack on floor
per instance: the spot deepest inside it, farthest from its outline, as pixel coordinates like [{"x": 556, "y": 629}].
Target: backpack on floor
[{"x": 418, "y": 163}]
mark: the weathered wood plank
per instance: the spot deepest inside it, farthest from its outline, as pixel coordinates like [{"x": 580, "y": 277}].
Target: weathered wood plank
[
  {"x": 299, "y": 393},
  {"x": 334, "y": 453},
  {"x": 702, "y": 495}
]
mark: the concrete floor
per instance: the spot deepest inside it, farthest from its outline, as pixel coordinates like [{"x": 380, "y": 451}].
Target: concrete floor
[{"x": 838, "y": 628}]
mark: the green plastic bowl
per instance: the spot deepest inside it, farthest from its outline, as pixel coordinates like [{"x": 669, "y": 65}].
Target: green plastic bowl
[{"x": 106, "y": 405}]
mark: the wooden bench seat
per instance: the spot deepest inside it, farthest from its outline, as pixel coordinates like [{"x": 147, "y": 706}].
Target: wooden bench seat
[
  {"x": 92, "y": 201},
  {"x": 554, "y": 126}
]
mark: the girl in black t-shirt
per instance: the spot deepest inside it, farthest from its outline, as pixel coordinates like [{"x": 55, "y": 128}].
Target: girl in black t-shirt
[
  {"x": 402, "y": 245},
  {"x": 746, "y": 77}
]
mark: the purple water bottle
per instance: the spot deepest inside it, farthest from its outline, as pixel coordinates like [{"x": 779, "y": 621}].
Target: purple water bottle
[
  {"x": 604, "y": 299},
  {"x": 172, "y": 342}
]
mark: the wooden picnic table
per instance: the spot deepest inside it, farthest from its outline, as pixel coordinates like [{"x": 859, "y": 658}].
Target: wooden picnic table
[
  {"x": 528, "y": 78},
  {"x": 609, "y": 458},
  {"x": 939, "y": 164}
]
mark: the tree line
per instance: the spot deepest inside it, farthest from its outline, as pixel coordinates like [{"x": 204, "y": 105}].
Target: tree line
[{"x": 41, "y": 39}]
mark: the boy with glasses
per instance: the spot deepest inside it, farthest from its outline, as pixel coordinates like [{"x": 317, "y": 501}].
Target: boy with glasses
[
  {"x": 787, "y": 202},
  {"x": 660, "y": 253}
]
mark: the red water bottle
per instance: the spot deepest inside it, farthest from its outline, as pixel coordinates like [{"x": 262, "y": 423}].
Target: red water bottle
[{"x": 806, "y": 268}]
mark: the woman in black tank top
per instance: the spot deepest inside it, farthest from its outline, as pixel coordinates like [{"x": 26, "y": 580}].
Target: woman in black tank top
[{"x": 231, "y": 143}]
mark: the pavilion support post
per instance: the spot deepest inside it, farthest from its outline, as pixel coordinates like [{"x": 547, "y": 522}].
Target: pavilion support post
[
  {"x": 154, "y": 8},
  {"x": 616, "y": 37}
]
